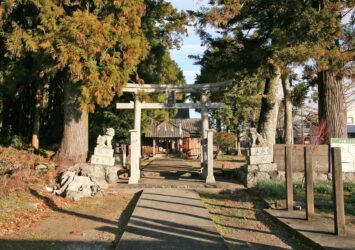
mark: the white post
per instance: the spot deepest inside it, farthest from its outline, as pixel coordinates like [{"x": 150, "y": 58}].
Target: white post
[
  {"x": 137, "y": 120},
  {"x": 210, "y": 177},
  {"x": 154, "y": 146},
  {"x": 123, "y": 149},
  {"x": 135, "y": 172},
  {"x": 204, "y": 121}
]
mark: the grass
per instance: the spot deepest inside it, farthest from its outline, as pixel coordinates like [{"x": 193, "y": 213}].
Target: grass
[
  {"x": 275, "y": 190},
  {"x": 232, "y": 158},
  {"x": 9, "y": 204}
]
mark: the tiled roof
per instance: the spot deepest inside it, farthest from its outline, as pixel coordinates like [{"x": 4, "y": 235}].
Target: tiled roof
[{"x": 174, "y": 128}]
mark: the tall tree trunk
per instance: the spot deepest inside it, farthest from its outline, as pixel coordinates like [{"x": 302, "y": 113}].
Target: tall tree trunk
[
  {"x": 288, "y": 125},
  {"x": 332, "y": 105},
  {"x": 75, "y": 141},
  {"x": 270, "y": 108},
  {"x": 219, "y": 124},
  {"x": 37, "y": 116}
]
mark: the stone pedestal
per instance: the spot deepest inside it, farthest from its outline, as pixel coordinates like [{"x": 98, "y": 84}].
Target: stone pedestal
[
  {"x": 260, "y": 165},
  {"x": 103, "y": 156}
]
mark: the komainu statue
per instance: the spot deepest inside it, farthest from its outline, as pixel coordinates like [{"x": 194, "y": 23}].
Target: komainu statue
[
  {"x": 105, "y": 140},
  {"x": 256, "y": 138}
]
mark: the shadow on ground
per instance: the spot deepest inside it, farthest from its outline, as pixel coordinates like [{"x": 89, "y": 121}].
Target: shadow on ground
[
  {"x": 114, "y": 227},
  {"x": 240, "y": 219}
]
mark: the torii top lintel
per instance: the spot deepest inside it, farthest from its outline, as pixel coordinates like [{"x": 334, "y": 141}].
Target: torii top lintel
[{"x": 188, "y": 88}]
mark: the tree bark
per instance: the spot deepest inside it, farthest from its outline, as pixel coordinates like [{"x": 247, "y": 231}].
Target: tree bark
[
  {"x": 332, "y": 106},
  {"x": 75, "y": 140},
  {"x": 270, "y": 108},
  {"x": 288, "y": 121},
  {"x": 37, "y": 116}
]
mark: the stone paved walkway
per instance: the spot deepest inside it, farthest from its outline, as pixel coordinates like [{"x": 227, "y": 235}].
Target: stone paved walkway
[{"x": 170, "y": 219}]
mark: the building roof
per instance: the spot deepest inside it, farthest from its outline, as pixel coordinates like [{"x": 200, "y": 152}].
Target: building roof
[{"x": 174, "y": 128}]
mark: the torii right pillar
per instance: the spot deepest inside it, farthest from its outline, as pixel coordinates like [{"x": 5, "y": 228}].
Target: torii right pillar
[{"x": 206, "y": 142}]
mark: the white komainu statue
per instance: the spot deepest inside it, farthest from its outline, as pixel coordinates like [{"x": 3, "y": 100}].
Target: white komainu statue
[
  {"x": 105, "y": 140},
  {"x": 256, "y": 138}
]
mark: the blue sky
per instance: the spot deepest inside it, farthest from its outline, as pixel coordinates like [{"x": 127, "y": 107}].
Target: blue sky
[{"x": 191, "y": 45}]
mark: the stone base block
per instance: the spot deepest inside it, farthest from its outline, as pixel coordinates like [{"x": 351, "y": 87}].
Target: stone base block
[
  {"x": 102, "y": 151},
  {"x": 267, "y": 167},
  {"x": 260, "y": 151},
  {"x": 260, "y": 159},
  {"x": 103, "y": 160}
]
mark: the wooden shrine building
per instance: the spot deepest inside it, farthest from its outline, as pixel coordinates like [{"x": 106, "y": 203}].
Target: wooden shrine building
[{"x": 173, "y": 137}]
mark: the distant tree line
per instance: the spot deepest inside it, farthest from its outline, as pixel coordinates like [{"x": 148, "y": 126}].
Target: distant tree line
[
  {"x": 259, "y": 43},
  {"x": 62, "y": 62}
]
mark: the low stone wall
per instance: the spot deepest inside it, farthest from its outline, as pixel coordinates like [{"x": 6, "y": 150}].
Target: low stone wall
[{"x": 251, "y": 175}]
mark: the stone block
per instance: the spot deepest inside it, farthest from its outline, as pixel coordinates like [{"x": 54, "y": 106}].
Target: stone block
[
  {"x": 102, "y": 151},
  {"x": 94, "y": 171},
  {"x": 262, "y": 176},
  {"x": 112, "y": 174},
  {"x": 260, "y": 151},
  {"x": 252, "y": 168},
  {"x": 103, "y": 160},
  {"x": 268, "y": 167},
  {"x": 250, "y": 179},
  {"x": 260, "y": 159},
  {"x": 281, "y": 175},
  {"x": 80, "y": 187}
]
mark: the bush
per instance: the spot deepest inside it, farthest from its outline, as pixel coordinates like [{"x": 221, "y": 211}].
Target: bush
[
  {"x": 18, "y": 142},
  {"x": 272, "y": 189},
  {"x": 323, "y": 187}
]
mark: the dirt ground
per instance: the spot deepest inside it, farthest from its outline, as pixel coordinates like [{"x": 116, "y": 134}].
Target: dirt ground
[
  {"x": 91, "y": 223},
  {"x": 239, "y": 218}
]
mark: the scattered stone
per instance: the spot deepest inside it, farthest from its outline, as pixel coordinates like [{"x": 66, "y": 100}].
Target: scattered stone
[
  {"x": 41, "y": 167},
  {"x": 81, "y": 186},
  {"x": 187, "y": 174},
  {"x": 297, "y": 207}
]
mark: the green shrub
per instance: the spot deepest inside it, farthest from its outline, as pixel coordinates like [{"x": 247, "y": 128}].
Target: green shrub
[
  {"x": 350, "y": 187},
  {"x": 323, "y": 187},
  {"x": 272, "y": 189},
  {"x": 18, "y": 142}
]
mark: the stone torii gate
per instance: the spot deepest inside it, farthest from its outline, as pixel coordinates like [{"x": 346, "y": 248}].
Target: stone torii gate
[{"x": 171, "y": 90}]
